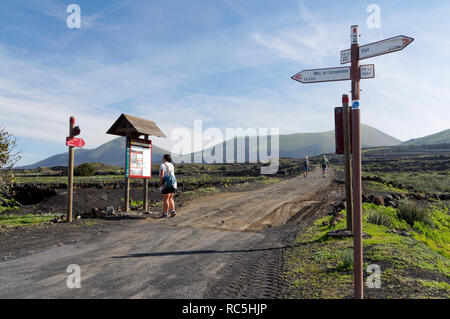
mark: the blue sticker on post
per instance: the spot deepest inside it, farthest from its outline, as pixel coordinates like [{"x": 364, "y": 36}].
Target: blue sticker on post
[{"x": 355, "y": 105}]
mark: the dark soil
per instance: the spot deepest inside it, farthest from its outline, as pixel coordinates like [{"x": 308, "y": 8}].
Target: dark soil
[
  {"x": 84, "y": 200},
  {"x": 397, "y": 287},
  {"x": 23, "y": 241}
]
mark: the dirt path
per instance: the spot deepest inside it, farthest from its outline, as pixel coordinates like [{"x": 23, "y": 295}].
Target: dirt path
[
  {"x": 194, "y": 255},
  {"x": 254, "y": 210}
]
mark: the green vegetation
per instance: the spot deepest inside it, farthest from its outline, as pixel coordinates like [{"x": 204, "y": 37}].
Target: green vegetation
[
  {"x": 199, "y": 180},
  {"x": 402, "y": 169},
  {"x": 412, "y": 212},
  {"x": 9, "y": 204},
  {"x": 385, "y": 187},
  {"x": 424, "y": 169},
  {"x": 437, "y": 235},
  {"x": 425, "y": 181},
  {"x": 321, "y": 267},
  {"x": 186, "y": 173},
  {"x": 267, "y": 180},
  {"x": 346, "y": 261},
  {"x": 26, "y": 220},
  {"x": 85, "y": 169},
  {"x": 387, "y": 213},
  {"x": 439, "y": 285},
  {"x": 63, "y": 179},
  {"x": 379, "y": 218},
  {"x": 134, "y": 204}
]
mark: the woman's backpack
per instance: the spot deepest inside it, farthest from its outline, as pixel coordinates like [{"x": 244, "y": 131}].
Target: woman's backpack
[{"x": 169, "y": 179}]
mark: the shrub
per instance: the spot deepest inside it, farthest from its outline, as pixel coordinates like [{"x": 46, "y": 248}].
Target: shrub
[
  {"x": 347, "y": 261},
  {"x": 8, "y": 157},
  {"x": 85, "y": 169},
  {"x": 413, "y": 211},
  {"x": 389, "y": 213},
  {"x": 379, "y": 218}
]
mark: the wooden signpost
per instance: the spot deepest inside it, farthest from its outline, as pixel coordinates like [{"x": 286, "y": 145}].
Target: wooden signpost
[
  {"x": 355, "y": 73},
  {"x": 71, "y": 142},
  {"x": 356, "y": 169}
]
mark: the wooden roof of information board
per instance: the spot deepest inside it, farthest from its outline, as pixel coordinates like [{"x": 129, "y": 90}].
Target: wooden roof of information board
[{"x": 134, "y": 126}]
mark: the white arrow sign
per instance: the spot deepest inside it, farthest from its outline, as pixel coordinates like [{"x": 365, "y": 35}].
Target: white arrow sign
[
  {"x": 333, "y": 74},
  {"x": 378, "y": 48},
  {"x": 323, "y": 75}
]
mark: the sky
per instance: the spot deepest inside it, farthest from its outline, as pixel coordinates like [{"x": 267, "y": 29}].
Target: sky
[{"x": 225, "y": 62}]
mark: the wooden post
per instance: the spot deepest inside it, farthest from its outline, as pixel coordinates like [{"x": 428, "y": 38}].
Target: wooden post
[
  {"x": 127, "y": 179},
  {"x": 146, "y": 186},
  {"x": 356, "y": 161},
  {"x": 70, "y": 173},
  {"x": 145, "y": 194},
  {"x": 347, "y": 163}
]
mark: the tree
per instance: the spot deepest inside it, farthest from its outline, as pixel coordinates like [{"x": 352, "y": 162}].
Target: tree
[
  {"x": 85, "y": 169},
  {"x": 8, "y": 158}
]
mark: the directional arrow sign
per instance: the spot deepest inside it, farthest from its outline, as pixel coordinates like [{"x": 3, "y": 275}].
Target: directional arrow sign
[
  {"x": 378, "y": 48},
  {"x": 323, "y": 75},
  {"x": 333, "y": 74},
  {"x": 75, "y": 141}
]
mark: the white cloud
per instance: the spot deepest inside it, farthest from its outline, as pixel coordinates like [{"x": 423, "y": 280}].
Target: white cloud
[{"x": 310, "y": 40}]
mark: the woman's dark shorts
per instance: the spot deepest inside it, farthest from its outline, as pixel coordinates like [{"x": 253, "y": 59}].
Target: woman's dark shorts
[{"x": 168, "y": 190}]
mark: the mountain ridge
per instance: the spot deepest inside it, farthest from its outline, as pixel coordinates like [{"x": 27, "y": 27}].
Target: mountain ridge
[
  {"x": 442, "y": 137},
  {"x": 110, "y": 153},
  {"x": 298, "y": 145},
  {"x": 291, "y": 145}
]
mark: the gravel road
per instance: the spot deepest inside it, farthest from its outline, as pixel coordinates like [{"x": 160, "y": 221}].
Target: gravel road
[{"x": 226, "y": 245}]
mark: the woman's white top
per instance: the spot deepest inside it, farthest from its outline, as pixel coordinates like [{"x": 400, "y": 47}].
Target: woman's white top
[{"x": 171, "y": 170}]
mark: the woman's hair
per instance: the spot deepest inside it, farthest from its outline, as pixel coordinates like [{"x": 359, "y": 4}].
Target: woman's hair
[{"x": 168, "y": 158}]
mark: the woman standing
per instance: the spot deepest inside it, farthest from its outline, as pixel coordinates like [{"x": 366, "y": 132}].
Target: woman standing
[
  {"x": 306, "y": 166},
  {"x": 168, "y": 185}
]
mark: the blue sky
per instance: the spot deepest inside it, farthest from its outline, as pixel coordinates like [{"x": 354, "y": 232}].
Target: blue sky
[{"x": 225, "y": 62}]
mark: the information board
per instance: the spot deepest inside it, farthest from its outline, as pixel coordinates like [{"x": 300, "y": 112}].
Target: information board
[{"x": 139, "y": 159}]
